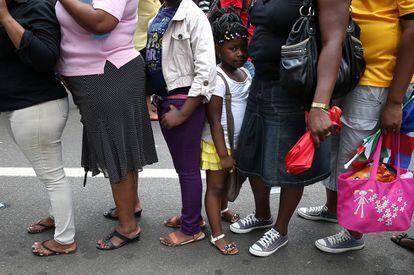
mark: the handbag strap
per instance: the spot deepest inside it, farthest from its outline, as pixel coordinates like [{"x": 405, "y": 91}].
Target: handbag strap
[
  {"x": 308, "y": 8},
  {"x": 229, "y": 114}
]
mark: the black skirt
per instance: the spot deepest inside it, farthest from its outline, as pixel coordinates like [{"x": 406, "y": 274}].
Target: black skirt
[{"x": 117, "y": 134}]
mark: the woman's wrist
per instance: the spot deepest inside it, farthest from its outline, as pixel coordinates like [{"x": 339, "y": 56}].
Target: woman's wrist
[
  {"x": 6, "y": 18},
  {"x": 318, "y": 105}
]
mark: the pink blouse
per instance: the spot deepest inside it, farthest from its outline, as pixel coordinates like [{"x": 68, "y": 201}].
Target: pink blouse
[{"x": 84, "y": 53}]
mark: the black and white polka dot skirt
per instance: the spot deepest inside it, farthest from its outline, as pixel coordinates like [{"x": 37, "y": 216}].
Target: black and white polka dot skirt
[{"x": 117, "y": 134}]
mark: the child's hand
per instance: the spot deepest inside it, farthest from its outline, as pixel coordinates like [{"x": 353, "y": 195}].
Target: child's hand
[
  {"x": 228, "y": 163},
  {"x": 172, "y": 118}
]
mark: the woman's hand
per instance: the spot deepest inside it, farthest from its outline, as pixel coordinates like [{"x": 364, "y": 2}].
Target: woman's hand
[
  {"x": 319, "y": 124},
  {"x": 228, "y": 163},
  {"x": 172, "y": 118},
  {"x": 4, "y": 11},
  {"x": 391, "y": 117}
]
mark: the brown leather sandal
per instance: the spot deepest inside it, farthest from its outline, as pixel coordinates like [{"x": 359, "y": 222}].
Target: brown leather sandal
[
  {"x": 175, "y": 222},
  {"x": 172, "y": 239},
  {"x": 53, "y": 252},
  {"x": 43, "y": 227}
]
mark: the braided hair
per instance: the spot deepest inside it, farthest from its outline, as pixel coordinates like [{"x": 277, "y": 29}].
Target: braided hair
[{"x": 227, "y": 25}]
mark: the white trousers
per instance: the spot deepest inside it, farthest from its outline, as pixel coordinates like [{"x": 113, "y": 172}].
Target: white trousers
[{"x": 37, "y": 130}]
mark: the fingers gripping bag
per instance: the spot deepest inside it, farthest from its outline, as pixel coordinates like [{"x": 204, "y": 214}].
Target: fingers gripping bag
[{"x": 300, "y": 158}]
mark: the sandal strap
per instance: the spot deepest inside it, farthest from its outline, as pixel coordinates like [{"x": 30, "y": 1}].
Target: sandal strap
[
  {"x": 224, "y": 210},
  {"x": 400, "y": 237},
  {"x": 48, "y": 248},
  {"x": 122, "y": 237},
  {"x": 42, "y": 225},
  {"x": 110, "y": 211},
  {"x": 173, "y": 238},
  {"x": 229, "y": 247},
  {"x": 52, "y": 250},
  {"x": 174, "y": 220},
  {"x": 39, "y": 222},
  {"x": 215, "y": 239}
]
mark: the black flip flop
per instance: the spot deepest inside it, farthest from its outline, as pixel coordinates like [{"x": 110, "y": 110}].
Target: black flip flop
[
  {"x": 110, "y": 246},
  {"x": 108, "y": 214}
]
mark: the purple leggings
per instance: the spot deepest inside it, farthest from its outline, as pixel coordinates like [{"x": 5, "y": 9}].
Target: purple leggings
[{"x": 184, "y": 144}]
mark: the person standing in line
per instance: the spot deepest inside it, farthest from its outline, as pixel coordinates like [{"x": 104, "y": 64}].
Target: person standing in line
[
  {"x": 374, "y": 104},
  {"x": 106, "y": 77},
  {"x": 230, "y": 37},
  {"x": 275, "y": 120},
  {"x": 182, "y": 72},
  {"x": 147, "y": 9},
  {"x": 36, "y": 108}
]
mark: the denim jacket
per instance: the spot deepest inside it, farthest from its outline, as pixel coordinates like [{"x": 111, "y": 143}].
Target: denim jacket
[{"x": 188, "y": 54}]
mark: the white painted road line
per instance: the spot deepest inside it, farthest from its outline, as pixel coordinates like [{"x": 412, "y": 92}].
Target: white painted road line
[{"x": 79, "y": 173}]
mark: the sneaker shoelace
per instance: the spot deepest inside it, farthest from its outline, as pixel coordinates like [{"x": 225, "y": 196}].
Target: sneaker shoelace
[
  {"x": 249, "y": 220},
  {"x": 316, "y": 210},
  {"x": 269, "y": 237},
  {"x": 339, "y": 238}
]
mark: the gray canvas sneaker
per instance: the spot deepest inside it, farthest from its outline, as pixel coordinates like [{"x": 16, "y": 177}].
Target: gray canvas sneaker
[
  {"x": 268, "y": 244},
  {"x": 341, "y": 242},
  {"x": 318, "y": 213},
  {"x": 250, "y": 223}
]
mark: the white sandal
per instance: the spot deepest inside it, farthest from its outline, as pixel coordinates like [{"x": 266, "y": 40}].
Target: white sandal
[{"x": 229, "y": 249}]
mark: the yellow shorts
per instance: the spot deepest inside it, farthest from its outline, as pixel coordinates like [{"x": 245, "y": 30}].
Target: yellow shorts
[{"x": 209, "y": 157}]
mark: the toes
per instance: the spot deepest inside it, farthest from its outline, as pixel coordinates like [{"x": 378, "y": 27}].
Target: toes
[{"x": 36, "y": 245}]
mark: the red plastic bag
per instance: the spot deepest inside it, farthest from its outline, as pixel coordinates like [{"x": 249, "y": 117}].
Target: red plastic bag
[{"x": 300, "y": 158}]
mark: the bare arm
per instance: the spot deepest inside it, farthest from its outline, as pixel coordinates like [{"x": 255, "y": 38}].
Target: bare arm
[
  {"x": 332, "y": 30},
  {"x": 93, "y": 20},
  {"x": 214, "y": 110},
  {"x": 391, "y": 117}
]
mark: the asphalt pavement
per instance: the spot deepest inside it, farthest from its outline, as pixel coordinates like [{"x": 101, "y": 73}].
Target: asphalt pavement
[{"x": 27, "y": 201}]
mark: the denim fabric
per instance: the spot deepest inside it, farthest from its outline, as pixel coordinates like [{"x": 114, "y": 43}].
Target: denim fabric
[
  {"x": 250, "y": 67},
  {"x": 274, "y": 121}
]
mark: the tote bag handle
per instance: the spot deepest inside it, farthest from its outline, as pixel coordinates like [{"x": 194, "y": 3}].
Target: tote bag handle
[
  {"x": 395, "y": 152},
  {"x": 377, "y": 155}
]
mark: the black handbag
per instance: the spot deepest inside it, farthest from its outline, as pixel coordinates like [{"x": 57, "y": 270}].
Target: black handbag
[
  {"x": 234, "y": 180},
  {"x": 299, "y": 57}
]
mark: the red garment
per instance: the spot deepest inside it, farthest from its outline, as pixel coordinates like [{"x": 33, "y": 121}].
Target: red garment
[{"x": 238, "y": 4}]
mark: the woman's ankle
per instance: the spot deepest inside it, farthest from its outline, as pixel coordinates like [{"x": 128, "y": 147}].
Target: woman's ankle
[{"x": 127, "y": 229}]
